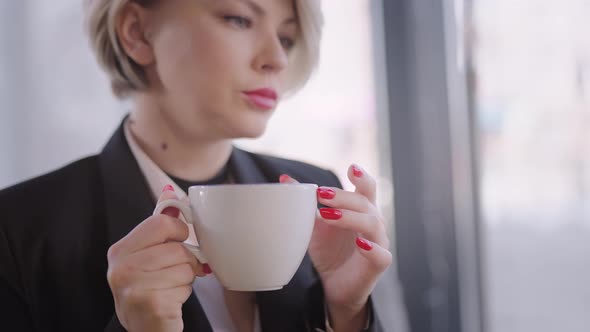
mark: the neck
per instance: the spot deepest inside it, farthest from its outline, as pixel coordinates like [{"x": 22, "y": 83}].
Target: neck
[{"x": 181, "y": 154}]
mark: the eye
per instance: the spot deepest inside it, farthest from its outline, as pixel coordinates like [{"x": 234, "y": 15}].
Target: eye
[
  {"x": 287, "y": 43},
  {"x": 238, "y": 21}
]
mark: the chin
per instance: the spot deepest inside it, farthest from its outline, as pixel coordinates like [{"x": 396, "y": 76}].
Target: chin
[
  {"x": 252, "y": 132},
  {"x": 251, "y": 126},
  {"x": 252, "y": 129}
]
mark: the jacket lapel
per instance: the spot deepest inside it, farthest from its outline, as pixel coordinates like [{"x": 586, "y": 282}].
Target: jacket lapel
[
  {"x": 128, "y": 202},
  {"x": 127, "y": 197},
  {"x": 244, "y": 169}
]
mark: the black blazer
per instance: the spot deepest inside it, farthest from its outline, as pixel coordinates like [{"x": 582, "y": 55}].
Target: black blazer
[{"x": 55, "y": 231}]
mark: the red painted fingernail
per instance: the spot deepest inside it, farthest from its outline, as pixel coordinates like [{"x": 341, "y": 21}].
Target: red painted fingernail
[
  {"x": 171, "y": 211},
  {"x": 356, "y": 171},
  {"x": 363, "y": 244},
  {"x": 207, "y": 269},
  {"x": 284, "y": 178},
  {"x": 326, "y": 193},
  {"x": 168, "y": 188},
  {"x": 329, "y": 213}
]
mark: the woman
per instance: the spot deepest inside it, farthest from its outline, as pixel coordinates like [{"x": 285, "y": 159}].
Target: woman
[{"x": 200, "y": 73}]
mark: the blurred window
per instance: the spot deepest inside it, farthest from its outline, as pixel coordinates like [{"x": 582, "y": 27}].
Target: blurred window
[{"x": 532, "y": 96}]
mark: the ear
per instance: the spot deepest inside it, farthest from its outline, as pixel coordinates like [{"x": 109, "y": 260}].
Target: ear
[{"x": 132, "y": 30}]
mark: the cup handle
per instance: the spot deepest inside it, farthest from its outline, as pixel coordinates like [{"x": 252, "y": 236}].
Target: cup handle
[{"x": 185, "y": 209}]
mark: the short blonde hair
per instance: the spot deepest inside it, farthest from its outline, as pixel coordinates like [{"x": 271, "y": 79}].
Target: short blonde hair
[{"x": 127, "y": 76}]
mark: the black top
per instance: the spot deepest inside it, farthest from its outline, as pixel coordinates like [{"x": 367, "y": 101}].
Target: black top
[
  {"x": 55, "y": 231},
  {"x": 221, "y": 177}
]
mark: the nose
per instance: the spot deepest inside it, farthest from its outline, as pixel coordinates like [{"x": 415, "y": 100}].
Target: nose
[{"x": 271, "y": 57}]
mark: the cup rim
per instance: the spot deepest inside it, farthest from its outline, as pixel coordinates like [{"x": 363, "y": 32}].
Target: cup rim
[{"x": 254, "y": 185}]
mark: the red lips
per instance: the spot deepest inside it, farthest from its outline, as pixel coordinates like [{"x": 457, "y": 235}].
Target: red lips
[
  {"x": 265, "y": 92},
  {"x": 263, "y": 99}
]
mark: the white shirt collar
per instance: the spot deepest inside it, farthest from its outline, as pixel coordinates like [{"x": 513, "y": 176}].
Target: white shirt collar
[{"x": 155, "y": 177}]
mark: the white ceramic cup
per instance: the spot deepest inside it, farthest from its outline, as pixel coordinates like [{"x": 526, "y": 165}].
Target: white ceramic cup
[{"x": 253, "y": 236}]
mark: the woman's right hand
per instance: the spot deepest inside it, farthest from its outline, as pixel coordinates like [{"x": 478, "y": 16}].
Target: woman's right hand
[{"x": 151, "y": 273}]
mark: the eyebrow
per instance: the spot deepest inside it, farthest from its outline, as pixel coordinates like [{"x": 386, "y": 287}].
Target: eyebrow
[{"x": 260, "y": 11}]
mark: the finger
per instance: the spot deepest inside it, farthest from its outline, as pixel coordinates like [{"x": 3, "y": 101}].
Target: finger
[
  {"x": 170, "y": 297},
  {"x": 171, "y": 277},
  {"x": 364, "y": 183},
  {"x": 152, "y": 231},
  {"x": 168, "y": 193},
  {"x": 367, "y": 224},
  {"x": 286, "y": 179},
  {"x": 342, "y": 199},
  {"x": 159, "y": 302},
  {"x": 163, "y": 256},
  {"x": 180, "y": 294},
  {"x": 379, "y": 257}
]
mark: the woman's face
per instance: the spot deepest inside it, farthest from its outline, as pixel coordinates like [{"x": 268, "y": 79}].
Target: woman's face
[{"x": 220, "y": 65}]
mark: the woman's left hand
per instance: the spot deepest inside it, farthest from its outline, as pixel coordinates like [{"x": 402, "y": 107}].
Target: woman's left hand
[{"x": 349, "y": 245}]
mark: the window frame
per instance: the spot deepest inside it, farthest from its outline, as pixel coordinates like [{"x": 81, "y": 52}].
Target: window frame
[{"x": 433, "y": 148}]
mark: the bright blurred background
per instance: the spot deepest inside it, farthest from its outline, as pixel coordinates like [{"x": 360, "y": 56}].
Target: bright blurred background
[{"x": 530, "y": 98}]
